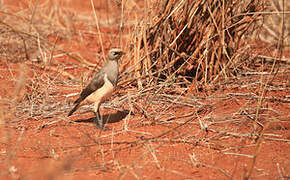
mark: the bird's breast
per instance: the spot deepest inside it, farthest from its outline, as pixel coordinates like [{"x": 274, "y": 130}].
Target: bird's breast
[{"x": 102, "y": 93}]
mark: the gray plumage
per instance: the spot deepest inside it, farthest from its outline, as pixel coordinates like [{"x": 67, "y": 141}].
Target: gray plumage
[{"x": 109, "y": 73}]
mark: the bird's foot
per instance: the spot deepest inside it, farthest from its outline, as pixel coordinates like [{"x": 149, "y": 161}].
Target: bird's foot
[{"x": 103, "y": 128}]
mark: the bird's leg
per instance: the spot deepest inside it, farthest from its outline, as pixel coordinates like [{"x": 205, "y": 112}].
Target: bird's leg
[{"x": 99, "y": 119}]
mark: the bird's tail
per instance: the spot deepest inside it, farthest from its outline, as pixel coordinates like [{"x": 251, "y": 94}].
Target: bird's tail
[{"x": 74, "y": 109}]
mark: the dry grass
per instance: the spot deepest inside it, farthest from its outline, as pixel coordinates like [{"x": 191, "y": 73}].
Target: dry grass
[
  {"x": 275, "y": 24},
  {"x": 174, "y": 50}
]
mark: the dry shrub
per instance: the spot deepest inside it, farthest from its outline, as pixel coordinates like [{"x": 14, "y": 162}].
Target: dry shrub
[{"x": 197, "y": 40}]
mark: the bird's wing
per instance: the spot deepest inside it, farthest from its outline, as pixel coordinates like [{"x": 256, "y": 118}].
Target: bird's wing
[{"x": 96, "y": 83}]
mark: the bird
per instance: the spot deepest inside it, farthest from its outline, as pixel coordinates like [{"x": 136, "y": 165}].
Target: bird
[{"x": 101, "y": 86}]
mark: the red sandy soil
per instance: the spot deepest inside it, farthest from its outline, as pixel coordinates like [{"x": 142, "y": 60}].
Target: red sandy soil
[{"x": 212, "y": 145}]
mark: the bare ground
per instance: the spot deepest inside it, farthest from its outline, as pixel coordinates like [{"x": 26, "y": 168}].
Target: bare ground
[{"x": 235, "y": 129}]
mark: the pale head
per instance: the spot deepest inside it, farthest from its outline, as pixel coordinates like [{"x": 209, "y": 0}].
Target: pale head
[{"x": 115, "y": 54}]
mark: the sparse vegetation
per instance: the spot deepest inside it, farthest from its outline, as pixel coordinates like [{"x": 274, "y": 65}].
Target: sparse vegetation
[{"x": 202, "y": 94}]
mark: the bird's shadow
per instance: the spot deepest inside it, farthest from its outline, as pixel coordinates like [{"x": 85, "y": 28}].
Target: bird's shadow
[{"x": 107, "y": 118}]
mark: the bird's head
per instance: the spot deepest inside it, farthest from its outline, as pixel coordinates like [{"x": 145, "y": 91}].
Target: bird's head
[{"x": 115, "y": 54}]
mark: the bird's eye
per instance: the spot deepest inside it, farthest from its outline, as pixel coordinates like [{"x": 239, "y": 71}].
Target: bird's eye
[{"x": 116, "y": 53}]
